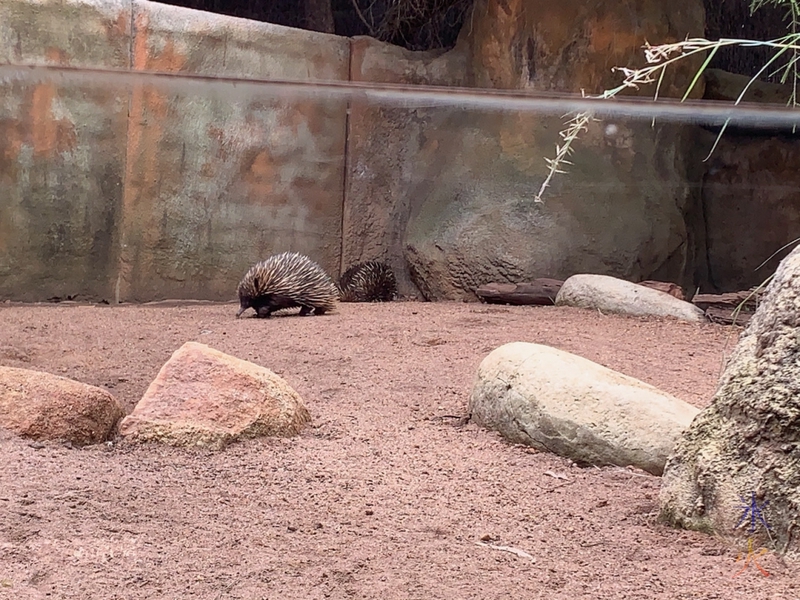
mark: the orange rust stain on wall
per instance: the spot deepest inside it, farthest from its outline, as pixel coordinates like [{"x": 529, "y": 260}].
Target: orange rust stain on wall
[
  {"x": 136, "y": 115},
  {"x": 301, "y": 112},
  {"x": 147, "y": 125},
  {"x": 494, "y": 50},
  {"x": 223, "y": 143},
  {"x": 609, "y": 36},
  {"x": 57, "y": 56},
  {"x": 259, "y": 174},
  {"x": 141, "y": 24},
  {"x": 11, "y": 134},
  {"x": 43, "y": 128},
  {"x": 49, "y": 135},
  {"x": 148, "y": 114},
  {"x": 118, "y": 28}
]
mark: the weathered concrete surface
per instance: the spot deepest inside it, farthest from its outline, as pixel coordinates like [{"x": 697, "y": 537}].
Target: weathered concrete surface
[
  {"x": 465, "y": 180},
  {"x": 573, "y": 45},
  {"x": 751, "y": 207},
  {"x": 214, "y": 185},
  {"x": 62, "y": 151},
  {"x": 620, "y": 211},
  {"x": 180, "y": 198},
  {"x": 748, "y": 440},
  {"x": 391, "y": 152},
  {"x": 562, "y": 403}
]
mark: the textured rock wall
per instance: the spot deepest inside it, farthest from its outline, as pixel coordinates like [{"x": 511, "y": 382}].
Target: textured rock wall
[
  {"x": 750, "y": 189},
  {"x": 142, "y": 193},
  {"x": 62, "y": 151},
  {"x": 450, "y": 190},
  {"x": 751, "y": 202},
  {"x": 746, "y": 445}
]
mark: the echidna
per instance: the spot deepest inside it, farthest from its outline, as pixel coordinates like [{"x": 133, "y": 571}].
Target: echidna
[
  {"x": 370, "y": 281},
  {"x": 287, "y": 280}
]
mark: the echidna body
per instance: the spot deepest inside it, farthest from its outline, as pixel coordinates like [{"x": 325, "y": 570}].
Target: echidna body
[
  {"x": 287, "y": 280},
  {"x": 370, "y": 281}
]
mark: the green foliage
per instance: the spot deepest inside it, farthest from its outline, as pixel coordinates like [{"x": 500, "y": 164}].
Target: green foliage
[
  {"x": 659, "y": 58},
  {"x": 789, "y": 70}
]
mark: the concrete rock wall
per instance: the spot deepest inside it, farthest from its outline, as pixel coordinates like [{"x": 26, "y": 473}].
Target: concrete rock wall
[
  {"x": 395, "y": 153},
  {"x": 449, "y": 192},
  {"x": 140, "y": 194},
  {"x": 62, "y": 151},
  {"x": 751, "y": 204}
]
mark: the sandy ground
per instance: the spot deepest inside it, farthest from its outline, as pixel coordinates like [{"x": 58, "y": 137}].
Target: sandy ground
[{"x": 387, "y": 495}]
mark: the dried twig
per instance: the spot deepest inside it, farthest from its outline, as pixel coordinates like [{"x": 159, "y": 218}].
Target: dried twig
[
  {"x": 511, "y": 549},
  {"x": 575, "y": 127}
]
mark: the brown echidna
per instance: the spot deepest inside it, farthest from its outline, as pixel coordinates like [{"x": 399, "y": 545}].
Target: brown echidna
[
  {"x": 370, "y": 281},
  {"x": 287, "y": 280}
]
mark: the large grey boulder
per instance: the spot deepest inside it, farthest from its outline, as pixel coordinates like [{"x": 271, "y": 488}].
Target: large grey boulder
[
  {"x": 203, "y": 397},
  {"x": 743, "y": 451},
  {"x": 609, "y": 294},
  {"x": 562, "y": 403}
]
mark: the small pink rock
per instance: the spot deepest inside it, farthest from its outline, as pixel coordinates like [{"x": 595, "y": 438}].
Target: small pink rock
[
  {"x": 203, "y": 397},
  {"x": 43, "y": 406}
]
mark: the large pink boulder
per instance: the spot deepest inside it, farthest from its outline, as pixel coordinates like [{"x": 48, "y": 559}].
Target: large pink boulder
[
  {"x": 42, "y": 406},
  {"x": 203, "y": 397}
]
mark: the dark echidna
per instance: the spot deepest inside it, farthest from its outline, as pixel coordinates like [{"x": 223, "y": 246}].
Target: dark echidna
[
  {"x": 287, "y": 280},
  {"x": 370, "y": 281}
]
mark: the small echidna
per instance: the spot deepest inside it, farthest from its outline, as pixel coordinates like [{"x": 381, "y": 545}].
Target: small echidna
[
  {"x": 370, "y": 281},
  {"x": 287, "y": 280}
]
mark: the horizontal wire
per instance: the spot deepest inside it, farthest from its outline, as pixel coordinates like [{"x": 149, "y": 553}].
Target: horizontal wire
[{"x": 409, "y": 96}]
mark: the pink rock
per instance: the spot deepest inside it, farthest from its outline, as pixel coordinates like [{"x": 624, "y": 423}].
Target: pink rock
[
  {"x": 203, "y": 397},
  {"x": 42, "y": 406}
]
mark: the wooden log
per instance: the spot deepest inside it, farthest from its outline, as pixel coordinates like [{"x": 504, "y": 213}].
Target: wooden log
[
  {"x": 733, "y": 299},
  {"x": 724, "y": 315},
  {"x": 720, "y": 308},
  {"x": 541, "y": 292},
  {"x": 673, "y": 289}
]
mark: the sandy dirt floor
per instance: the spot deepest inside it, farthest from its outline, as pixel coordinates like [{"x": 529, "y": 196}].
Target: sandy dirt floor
[{"x": 387, "y": 495}]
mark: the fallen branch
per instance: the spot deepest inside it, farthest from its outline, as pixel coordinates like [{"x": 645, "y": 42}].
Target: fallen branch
[
  {"x": 731, "y": 308},
  {"x": 541, "y": 292},
  {"x": 511, "y": 549}
]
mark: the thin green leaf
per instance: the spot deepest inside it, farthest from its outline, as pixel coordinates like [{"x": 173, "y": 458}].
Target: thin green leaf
[{"x": 699, "y": 73}]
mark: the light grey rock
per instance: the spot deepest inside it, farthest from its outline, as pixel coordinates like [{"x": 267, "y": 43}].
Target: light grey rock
[
  {"x": 563, "y": 403},
  {"x": 609, "y": 294},
  {"x": 748, "y": 440}
]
